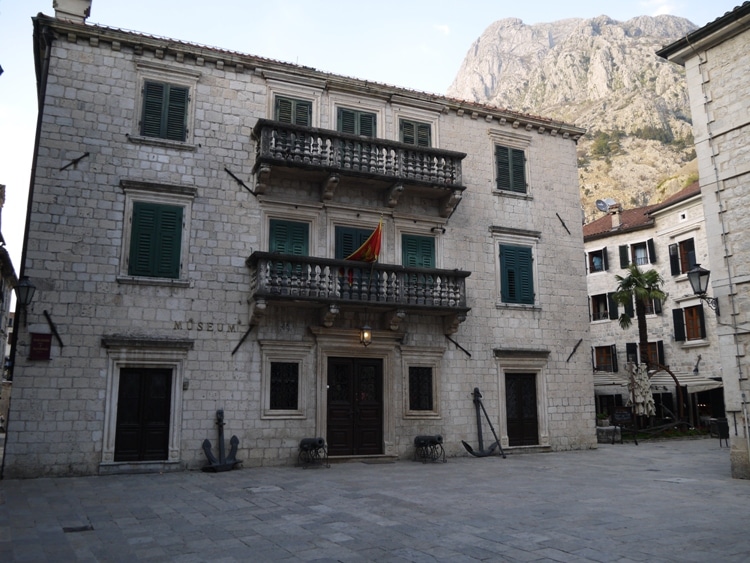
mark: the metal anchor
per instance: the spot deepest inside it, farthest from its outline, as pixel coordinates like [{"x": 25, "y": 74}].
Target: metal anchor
[
  {"x": 223, "y": 463},
  {"x": 496, "y": 444}
]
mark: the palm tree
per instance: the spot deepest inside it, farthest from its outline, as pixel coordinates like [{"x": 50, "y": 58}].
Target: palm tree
[{"x": 644, "y": 287}]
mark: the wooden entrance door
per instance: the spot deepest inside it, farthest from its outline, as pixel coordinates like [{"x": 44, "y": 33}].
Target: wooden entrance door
[
  {"x": 143, "y": 409},
  {"x": 520, "y": 408},
  {"x": 355, "y": 406}
]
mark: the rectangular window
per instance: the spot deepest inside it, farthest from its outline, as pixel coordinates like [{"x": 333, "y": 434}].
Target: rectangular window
[
  {"x": 155, "y": 240},
  {"x": 417, "y": 251},
  {"x": 689, "y": 323},
  {"x": 605, "y": 358},
  {"x": 288, "y": 237},
  {"x": 655, "y": 352},
  {"x": 296, "y": 112},
  {"x": 420, "y": 389},
  {"x": 598, "y": 261},
  {"x": 349, "y": 239},
  {"x": 511, "y": 169},
  {"x": 415, "y": 133},
  {"x": 356, "y": 122},
  {"x": 284, "y": 386},
  {"x": 641, "y": 253},
  {"x": 603, "y": 307},
  {"x": 516, "y": 274},
  {"x": 682, "y": 257},
  {"x": 164, "y": 111}
]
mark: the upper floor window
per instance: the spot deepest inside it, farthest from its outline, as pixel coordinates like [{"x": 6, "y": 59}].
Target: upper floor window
[
  {"x": 164, "y": 113},
  {"x": 417, "y": 251},
  {"x": 682, "y": 256},
  {"x": 516, "y": 274},
  {"x": 603, "y": 307},
  {"x": 415, "y": 133},
  {"x": 640, "y": 253},
  {"x": 604, "y": 358},
  {"x": 356, "y": 122},
  {"x": 155, "y": 240},
  {"x": 689, "y": 323},
  {"x": 349, "y": 239},
  {"x": 654, "y": 352},
  {"x": 511, "y": 169},
  {"x": 290, "y": 110},
  {"x": 597, "y": 260},
  {"x": 289, "y": 237}
]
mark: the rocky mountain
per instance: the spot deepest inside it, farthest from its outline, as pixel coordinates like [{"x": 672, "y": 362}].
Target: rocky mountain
[{"x": 603, "y": 75}]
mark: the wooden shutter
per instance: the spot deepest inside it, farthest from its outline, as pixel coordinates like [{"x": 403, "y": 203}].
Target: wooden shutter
[
  {"x": 660, "y": 352},
  {"x": 674, "y": 259},
  {"x": 153, "y": 102},
  {"x": 679, "y": 325},
  {"x": 702, "y": 321},
  {"x": 417, "y": 251},
  {"x": 624, "y": 257},
  {"x": 346, "y": 121},
  {"x": 356, "y": 122},
  {"x": 657, "y": 306},
  {"x": 614, "y": 357},
  {"x": 631, "y": 351},
  {"x": 511, "y": 169},
  {"x": 408, "y": 132},
  {"x": 651, "y": 250},
  {"x": 349, "y": 239},
  {"x": 605, "y": 259},
  {"x": 176, "y": 115},
  {"x": 612, "y": 306},
  {"x": 629, "y": 309},
  {"x": 297, "y": 112},
  {"x": 283, "y": 110},
  {"x": 289, "y": 237},
  {"x": 366, "y": 124},
  {"x": 516, "y": 278},
  {"x": 155, "y": 240}
]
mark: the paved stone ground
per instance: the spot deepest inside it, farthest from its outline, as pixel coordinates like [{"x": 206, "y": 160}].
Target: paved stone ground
[{"x": 658, "y": 501}]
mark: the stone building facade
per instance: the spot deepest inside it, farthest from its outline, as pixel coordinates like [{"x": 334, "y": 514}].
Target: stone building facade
[
  {"x": 190, "y": 216},
  {"x": 670, "y": 238},
  {"x": 716, "y": 58}
]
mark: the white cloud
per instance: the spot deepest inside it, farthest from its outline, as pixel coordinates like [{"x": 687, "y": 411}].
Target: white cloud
[
  {"x": 444, "y": 29},
  {"x": 659, "y": 7}
]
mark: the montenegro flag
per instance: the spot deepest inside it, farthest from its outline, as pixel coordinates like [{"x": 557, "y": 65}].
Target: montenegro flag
[{"x": 370, "y": 249}]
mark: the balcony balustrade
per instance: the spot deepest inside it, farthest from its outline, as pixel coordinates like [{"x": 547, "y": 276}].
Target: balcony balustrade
[
  {"x": 340, "y": 282},
  {"x": 316, "y": 152}
]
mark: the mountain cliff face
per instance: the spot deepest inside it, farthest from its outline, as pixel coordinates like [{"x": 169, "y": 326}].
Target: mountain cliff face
[{"x": 599, "y": 74}]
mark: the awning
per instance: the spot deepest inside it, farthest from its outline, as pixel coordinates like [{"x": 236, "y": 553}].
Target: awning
[
  {"x": 607, "y": 379},
  {"x": 695, "y": 383}
]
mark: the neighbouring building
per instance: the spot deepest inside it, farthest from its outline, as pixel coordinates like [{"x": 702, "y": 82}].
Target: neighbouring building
[
  {"x": 716, "y": 58},
  {"x": 191, "y": 214},
  {"x": 8, "y": 281},
  {"x": 669, "y": 237}
]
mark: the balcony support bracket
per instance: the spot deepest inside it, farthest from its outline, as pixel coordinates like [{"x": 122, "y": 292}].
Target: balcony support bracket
[
  {"x": 392, "y": 196},
  {"x": 449, "y": 203},
  {"x": 264, "y": 176},
  {"x": 451, "y": 323},
  {"x": 257, "y": 311},
  {"x": 395, "y": 318},
  {"x": 330, "y": 314},
  {"x": 329, "y": 187}
]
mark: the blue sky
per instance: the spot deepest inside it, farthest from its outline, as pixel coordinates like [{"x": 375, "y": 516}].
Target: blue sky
[{"x": 418, "y": 44}]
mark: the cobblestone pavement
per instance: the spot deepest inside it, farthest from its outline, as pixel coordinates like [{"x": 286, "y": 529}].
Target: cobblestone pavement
[{"x": 658, "y": 501}]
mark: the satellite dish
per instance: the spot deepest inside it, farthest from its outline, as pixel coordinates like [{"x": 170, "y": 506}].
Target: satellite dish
[{"x": 605, "y": 204}]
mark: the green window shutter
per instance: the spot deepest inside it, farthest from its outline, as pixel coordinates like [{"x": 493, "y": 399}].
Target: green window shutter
[
  {"x": 289, "y": 237},
  {"x": 415, "y": 133},
  {"x": 417, "y": 251},
  {"x": 356, "y": 122},
  {"x": 511, "y": 169},
  {"x": 349, "y": 239},
  {"x": 679, "y": 325},
  {"x": 624, "y": 257},
  {"x": 297, "y": 112},
  {"x": 164, "y": 111},
  {"x": 155, "y": 240},
  {"x": 516, "y": 274}
]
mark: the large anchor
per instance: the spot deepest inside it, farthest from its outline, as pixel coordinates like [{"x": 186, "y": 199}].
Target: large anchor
[
  {"x": 224, "y": 463},
  {"x": 496, "y": 444}
]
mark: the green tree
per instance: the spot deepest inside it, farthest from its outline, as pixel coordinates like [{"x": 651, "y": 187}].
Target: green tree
[{"x": 641, "y": 287}]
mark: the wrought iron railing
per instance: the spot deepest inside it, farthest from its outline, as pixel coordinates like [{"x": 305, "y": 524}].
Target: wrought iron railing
[
  {"x": 323, "y": 149},
  {"x": 319, "y": 279}
]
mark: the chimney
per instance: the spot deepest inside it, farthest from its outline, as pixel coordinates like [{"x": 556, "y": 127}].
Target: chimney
[
  {"x": 614, "y": 211},
  {"x": 72, "y": 10}
]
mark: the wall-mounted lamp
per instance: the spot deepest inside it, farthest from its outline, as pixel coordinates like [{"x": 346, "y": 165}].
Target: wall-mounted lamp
[
  {"x": 365, "y": 336},
  {"x": 24, "y": 294},
  {"x": 698, "y": 278},
  {"x": 440, "y": 230}
]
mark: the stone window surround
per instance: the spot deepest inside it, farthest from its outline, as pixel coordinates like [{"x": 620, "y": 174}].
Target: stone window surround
[
  {"x": 146, "y": 352},
  {"x": 289, "y": 352},
  {"x": 417, "y": 356},
  {"x": 164, "y": 194}
]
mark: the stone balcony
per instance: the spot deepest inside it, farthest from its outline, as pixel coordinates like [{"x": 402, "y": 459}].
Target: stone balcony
[
  {"x": 335, "y": 285},
  {"x": 334, "y": 159}
]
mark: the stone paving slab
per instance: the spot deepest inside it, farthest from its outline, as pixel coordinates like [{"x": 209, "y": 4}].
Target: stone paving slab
[{"x": 671, "y": 501}]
